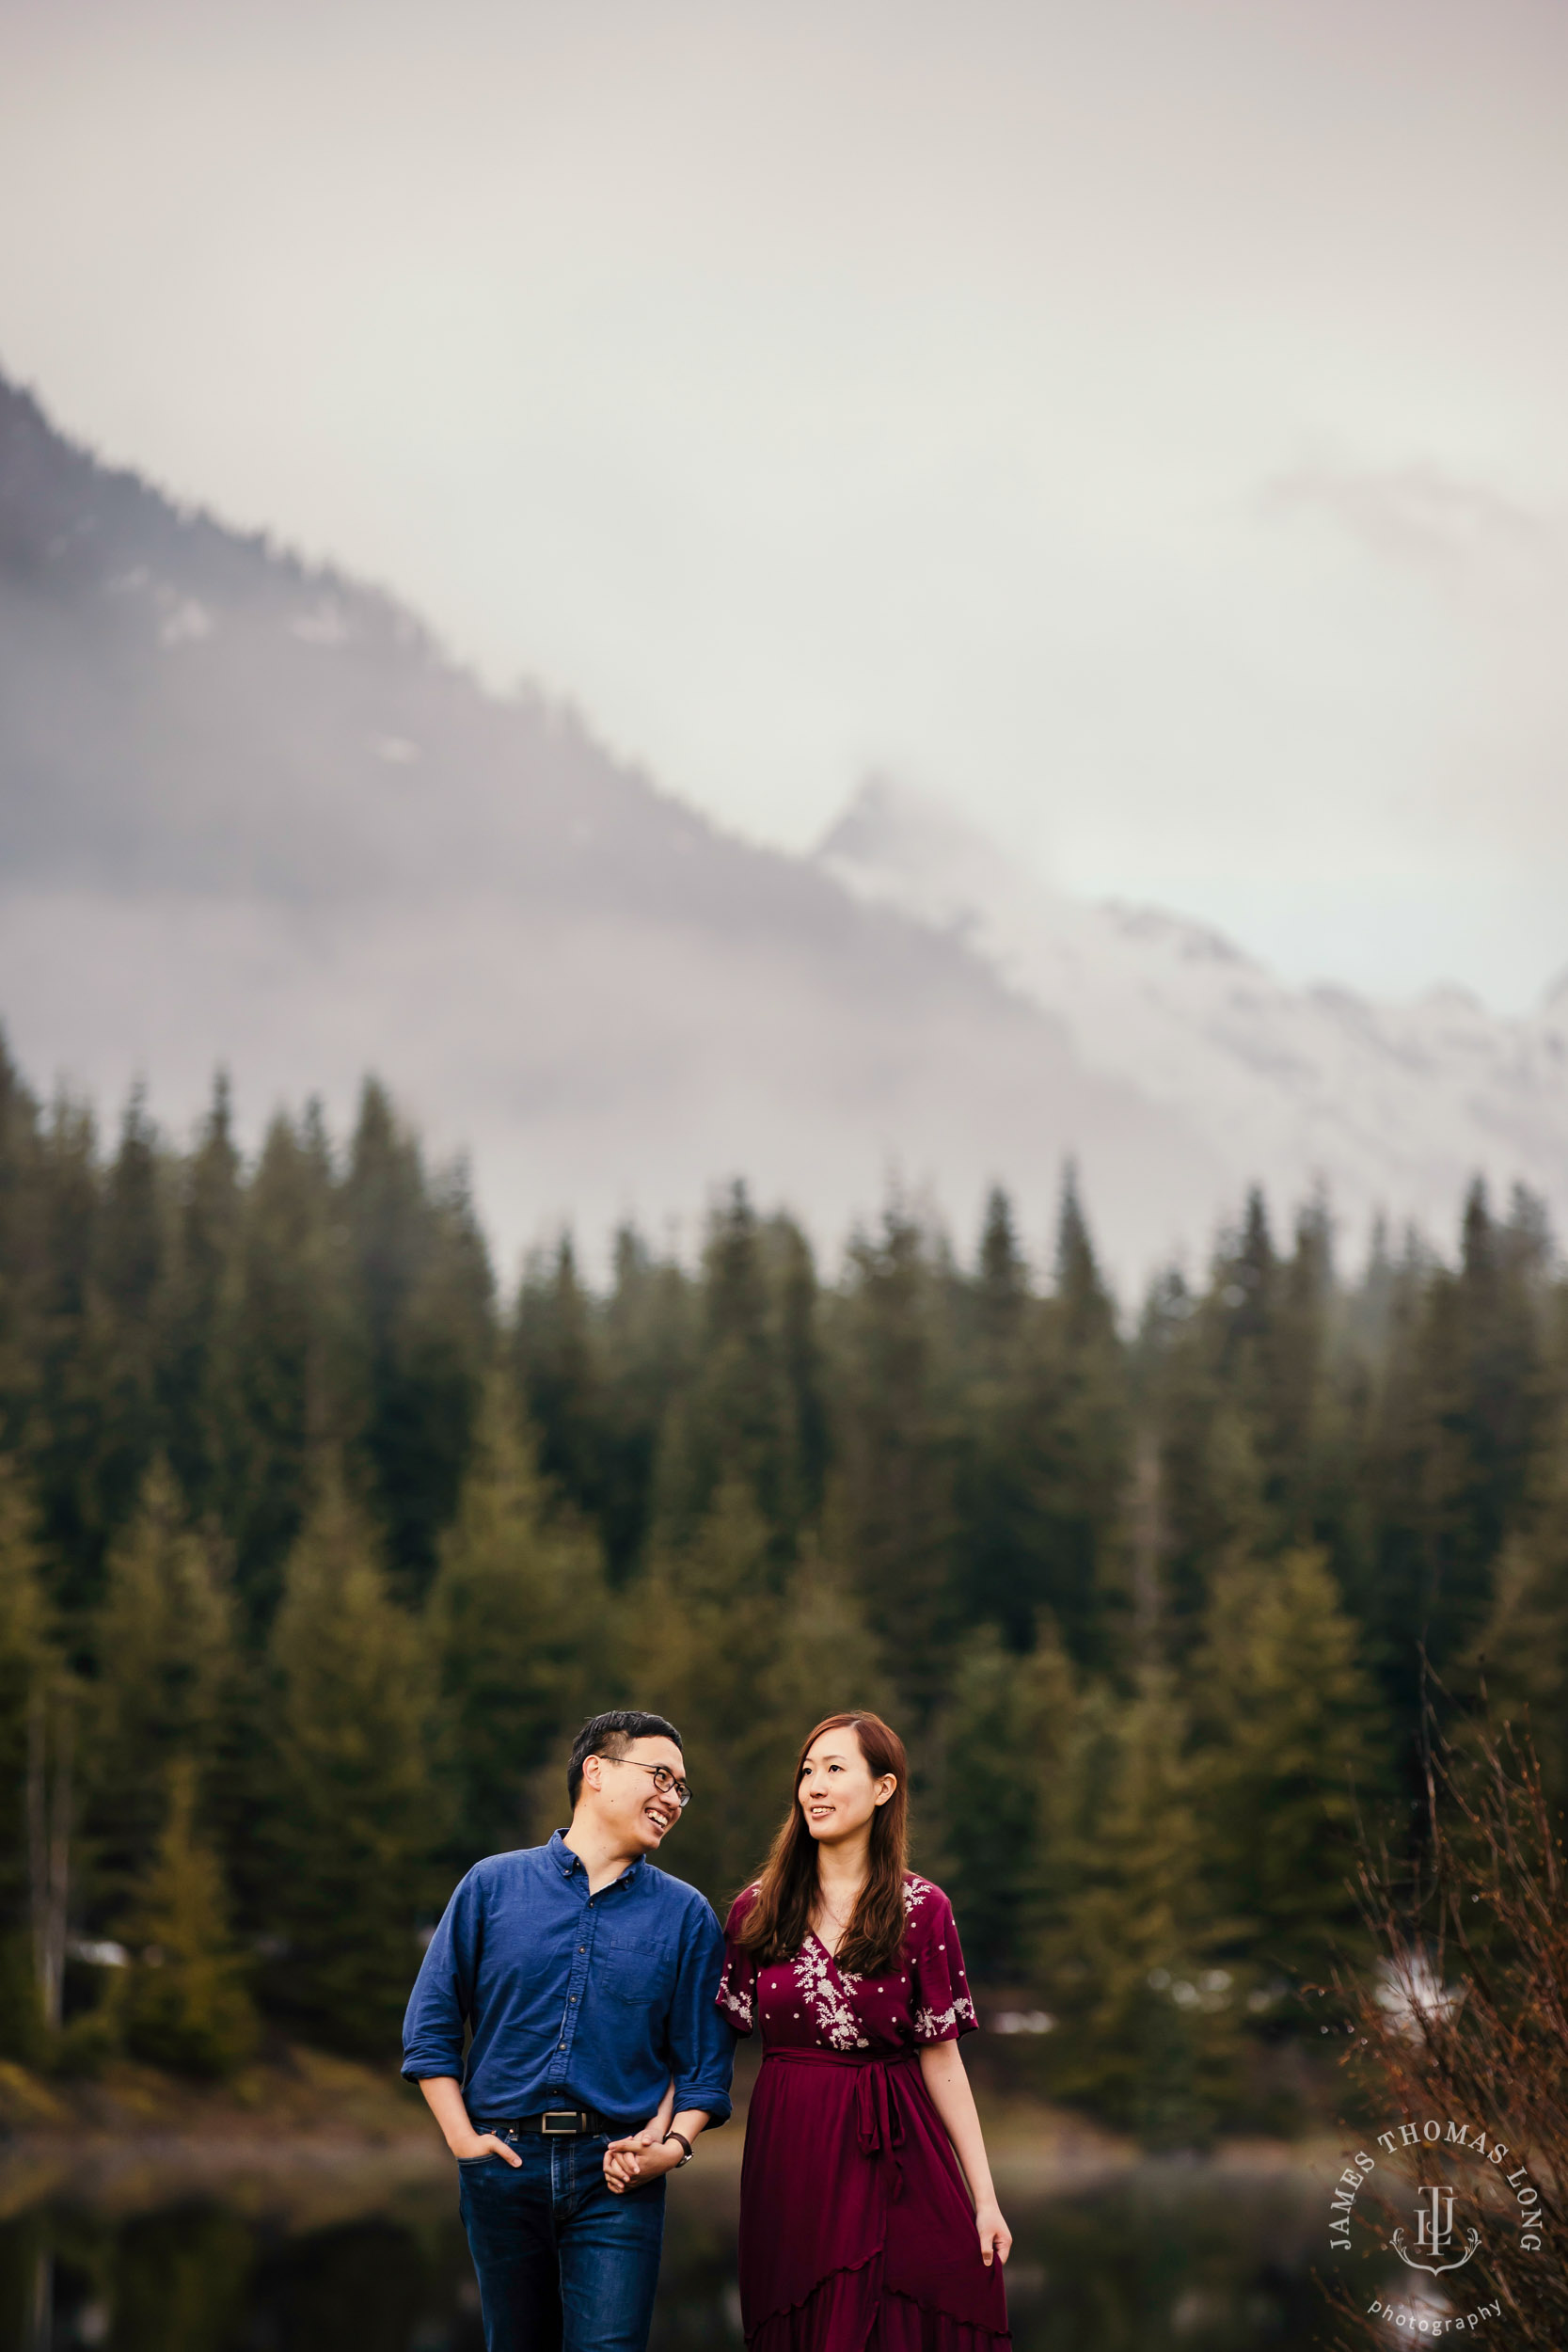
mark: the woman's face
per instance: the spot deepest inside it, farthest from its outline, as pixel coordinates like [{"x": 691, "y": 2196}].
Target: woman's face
[{"x": 837, "y": 1793}]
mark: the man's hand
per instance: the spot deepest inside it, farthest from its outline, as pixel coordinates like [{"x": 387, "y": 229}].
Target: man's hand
[
  {"x": 624, "y": 2159},
  {"x": 444, "y": 2098},
  {"x": 647, "y": 2155},
  {"x": 485, "y": 2144}
]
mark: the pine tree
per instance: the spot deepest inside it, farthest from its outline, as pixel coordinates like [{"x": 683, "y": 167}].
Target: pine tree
[
  {"x": 736, "y": 1421},
  {"x": 999, "y": 1489},
  {"x": 198, "y": 1405},
  {"x": 1516, "y": 1672},
  {"x": 1399, "y": 1490},
  {"x": 1091, "y": 1465},
  {"x": 1461, "y": 1416},
  {"x": 354, "y": 1823},
  {"x": 1289, "y": 1761},
  {"x": 893, "y": 1511},
  {"x": 558, "y": 1376},
  {"x": 1212, "y": 1480},
  {"x": 1520, "y": 1657},
  {"x": 25, "y": 1663},
  {"x": 293, "y": 1353},
  {"x": 421, "y": 1292},
  {"x": 1046, "y": 1458},
  {"x": 1256, "y": 1396},
  {"x": 1002, "y": 1288},
  {"x": 645, "y": 1361},
  {"x": 185, "y": 2005},
  {"x": 22, "y": 1222},
  {"x": 1304, "y": 1438},
  {"x": 166, "y": 1665},
  {"x": 744, "y": 1666},
  {"x": 802, "y": 1364},
  {"x": 1006, "y": 1732},
  {"x": 1501, "y": 1400},
  {"x": 130, "y": 1243},
  {"x": 524, "y": 1637},
  {"x": 1146, "y": 2023},
  {"x": 63, "y": 1437}
]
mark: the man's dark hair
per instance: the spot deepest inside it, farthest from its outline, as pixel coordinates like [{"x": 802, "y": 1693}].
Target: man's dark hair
[{"x": 612, "y": 1735}]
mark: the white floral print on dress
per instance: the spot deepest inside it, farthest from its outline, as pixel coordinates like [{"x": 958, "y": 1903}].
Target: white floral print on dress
[
  {"x": 814, "y": 1974},
  {"x": 738, "y": 2004},
  {"x": 932, "y": 2025}
]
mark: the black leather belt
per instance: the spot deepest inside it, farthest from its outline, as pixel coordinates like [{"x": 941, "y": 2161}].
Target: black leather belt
[{"x": 554, "y": 2123}]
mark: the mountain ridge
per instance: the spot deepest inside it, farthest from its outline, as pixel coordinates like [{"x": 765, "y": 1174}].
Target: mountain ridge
[
  {"x": 251, "y": 814},
  {"x": 1391, "y": 1108}
]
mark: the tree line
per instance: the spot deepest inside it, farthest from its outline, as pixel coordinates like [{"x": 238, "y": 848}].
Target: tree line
[{"x": 314, "y": 1549}]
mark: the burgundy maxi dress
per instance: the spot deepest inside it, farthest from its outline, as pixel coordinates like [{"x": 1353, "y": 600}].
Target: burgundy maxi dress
[{"x": 856, "y": 2229}]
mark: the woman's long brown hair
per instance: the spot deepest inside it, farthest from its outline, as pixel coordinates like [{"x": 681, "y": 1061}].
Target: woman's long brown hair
[{"x": 778, "y": 1922}]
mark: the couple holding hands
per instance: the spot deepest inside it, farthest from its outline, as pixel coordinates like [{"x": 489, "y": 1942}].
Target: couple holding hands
[{"x": 600, "y": 2001}]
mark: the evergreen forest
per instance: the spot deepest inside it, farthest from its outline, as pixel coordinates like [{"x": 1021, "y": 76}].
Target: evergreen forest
[{"x": 316, "y": 1546}]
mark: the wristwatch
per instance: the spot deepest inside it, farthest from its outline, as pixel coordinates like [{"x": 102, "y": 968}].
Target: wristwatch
[{"x": 685, "y": 2143}]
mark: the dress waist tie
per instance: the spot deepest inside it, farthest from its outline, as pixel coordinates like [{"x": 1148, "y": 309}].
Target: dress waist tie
[{"x": 878, "y": 2120}]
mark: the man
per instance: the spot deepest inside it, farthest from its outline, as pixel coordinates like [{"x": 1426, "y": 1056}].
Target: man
[{"x": 587, "y": 1979}]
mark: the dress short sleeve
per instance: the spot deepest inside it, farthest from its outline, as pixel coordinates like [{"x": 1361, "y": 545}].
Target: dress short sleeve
[
  {"x": 940, "y": 2006},
  {"x": 735, "y": 1999}
]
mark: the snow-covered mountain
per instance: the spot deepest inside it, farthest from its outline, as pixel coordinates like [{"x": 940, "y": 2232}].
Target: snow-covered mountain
[
  {"x": 251, "y": 815},
  {"x": 1393, "y": 1107}
]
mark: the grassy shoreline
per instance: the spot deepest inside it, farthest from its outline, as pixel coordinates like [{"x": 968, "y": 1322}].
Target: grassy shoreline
[{"x": 308, "y": 2139}]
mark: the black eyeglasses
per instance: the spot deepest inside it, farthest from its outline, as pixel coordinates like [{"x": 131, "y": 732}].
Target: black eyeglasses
[{"x": 664, "y": 1779}]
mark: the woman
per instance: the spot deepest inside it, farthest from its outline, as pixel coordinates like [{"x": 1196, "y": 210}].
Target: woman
[{"x": 858, "y": 2233}]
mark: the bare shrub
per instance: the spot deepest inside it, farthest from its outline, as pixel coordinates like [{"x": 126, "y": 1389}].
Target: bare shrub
[{"x": 1467, "y": 2015}]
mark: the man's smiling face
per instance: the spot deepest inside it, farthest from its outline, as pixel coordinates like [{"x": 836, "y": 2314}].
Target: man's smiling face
[{"x": 624, "y": 1794}]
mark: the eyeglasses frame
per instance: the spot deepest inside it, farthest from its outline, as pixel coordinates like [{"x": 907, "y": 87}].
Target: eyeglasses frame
[{"x": 679, "y": 1790}]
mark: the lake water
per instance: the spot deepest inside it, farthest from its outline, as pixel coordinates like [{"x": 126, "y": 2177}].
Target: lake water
[{"x": 1170, "y": 2256}]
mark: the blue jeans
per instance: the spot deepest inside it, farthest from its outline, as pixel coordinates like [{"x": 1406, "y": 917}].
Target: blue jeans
[{"x": 563, "y": 2264}]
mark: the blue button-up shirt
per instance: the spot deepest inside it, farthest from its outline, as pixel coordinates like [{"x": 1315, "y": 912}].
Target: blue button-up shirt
[{"x": 574, "y": 1999}]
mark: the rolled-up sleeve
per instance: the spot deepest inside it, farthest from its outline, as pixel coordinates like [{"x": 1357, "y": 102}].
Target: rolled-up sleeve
[
  {"x": 443, "y": 1992},
  {"x": 701, "y": 2047}
]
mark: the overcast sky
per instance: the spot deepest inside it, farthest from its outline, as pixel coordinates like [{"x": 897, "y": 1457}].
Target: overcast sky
[{"x": 1142, "y": 425}]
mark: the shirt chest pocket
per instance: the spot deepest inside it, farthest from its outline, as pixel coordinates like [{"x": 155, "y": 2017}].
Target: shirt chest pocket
[{"x": 641, "y": 1975}]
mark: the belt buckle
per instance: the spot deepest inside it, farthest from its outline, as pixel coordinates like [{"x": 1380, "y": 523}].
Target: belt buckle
[{"x": 561, "y": 2122}]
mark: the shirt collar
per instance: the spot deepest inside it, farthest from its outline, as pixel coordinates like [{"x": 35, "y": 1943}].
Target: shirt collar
[{"x": 569, "y": 1864}]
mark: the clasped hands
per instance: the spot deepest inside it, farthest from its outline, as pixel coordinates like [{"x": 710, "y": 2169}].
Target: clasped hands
[
  {"x": 645, "y": 2156},
  {"x": 642, "y": 2157}
]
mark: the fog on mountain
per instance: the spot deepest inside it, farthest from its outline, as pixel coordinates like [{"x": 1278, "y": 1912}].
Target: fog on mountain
[
  {"x": 247, "y": 810},
  {"x": 250, "y": 816}
]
